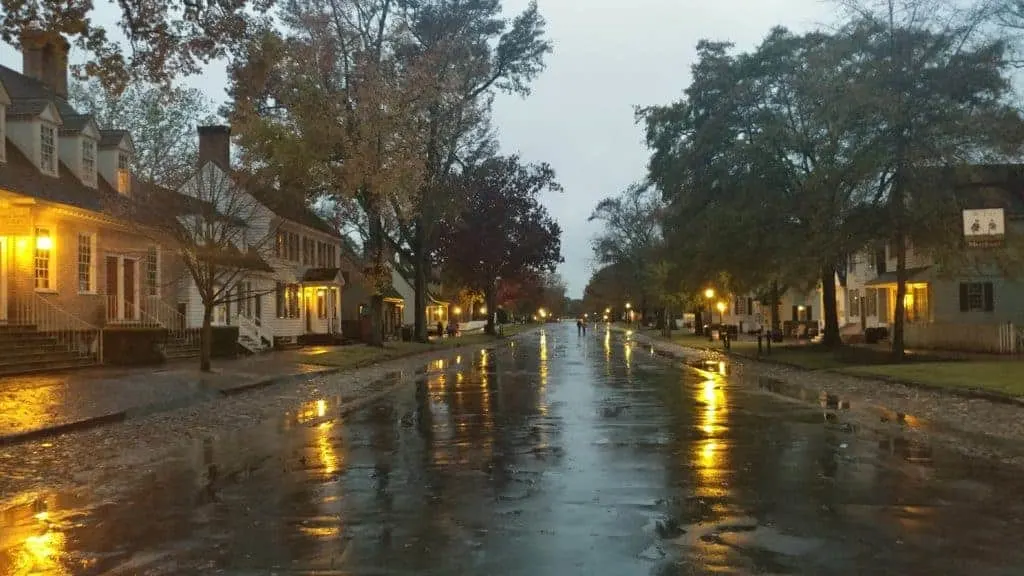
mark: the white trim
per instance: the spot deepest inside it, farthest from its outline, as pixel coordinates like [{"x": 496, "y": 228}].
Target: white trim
[{"x": 91, "y": 289}]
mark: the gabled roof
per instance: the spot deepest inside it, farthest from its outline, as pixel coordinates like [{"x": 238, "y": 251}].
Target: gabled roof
[
  {"x": 115, "y": 138},
  {"x": 292, "y": 208},
  {"x": 33, "y": 108},
  {"x": 21, "y": 87},
  {"x": 21, "y": 176},
  {"x": 78, "y": 124}
]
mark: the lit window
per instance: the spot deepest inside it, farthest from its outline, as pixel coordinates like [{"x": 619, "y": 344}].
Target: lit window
[
  {"x": 43, "y": 253},
  {"x": 48, "y": 149},
  {"x": 124, "y": 175},
  {"x": 86, "y": 261},
  {"x": 153, "y": 271}
]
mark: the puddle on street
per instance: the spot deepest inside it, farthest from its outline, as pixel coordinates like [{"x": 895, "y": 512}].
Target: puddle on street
[{"x": 562, "y": 454}]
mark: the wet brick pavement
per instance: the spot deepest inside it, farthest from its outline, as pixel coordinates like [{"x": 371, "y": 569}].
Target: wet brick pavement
[
  {"x": 559, "y": 455},
  {"x": 37, "y": 401}
]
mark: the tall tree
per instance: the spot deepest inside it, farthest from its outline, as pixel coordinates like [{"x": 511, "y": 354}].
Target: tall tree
[
  {"x": 503, "y": 231},
  {"x": 162, "y": 123},
  {"x": 630, "y": 231},
  {"x": 939, "y": 95},
  {"x": 326, "y": 102},
  {"x": 479, "y": 53},
  {"x": 165, "y": 38}
]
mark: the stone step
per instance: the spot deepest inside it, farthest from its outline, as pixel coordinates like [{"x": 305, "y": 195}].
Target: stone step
[
  {"x": 10, "y": 338},
  {"x": 32, "y": 354},
  {"x": 45, "y": 366},
  {"x": 16, "y": 328}
]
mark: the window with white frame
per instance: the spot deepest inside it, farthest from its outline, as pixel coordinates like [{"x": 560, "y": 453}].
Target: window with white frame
[
  {"x": 48, "y": 149},
  {"x": 88, "y": 161},
  {"x": 43, "y": 260},
  {"x": 153, "y": 271},
  {"x": 86, "y": 263}
]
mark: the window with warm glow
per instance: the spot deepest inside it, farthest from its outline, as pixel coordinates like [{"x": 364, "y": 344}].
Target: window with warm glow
[
  {"x": 86, "y": 264},
  {"x": 43, "y": 260},
  {"x": 88, "y": 161},
  {"x": 321, "y": 304},
  {"x": 48, "y": 149}
]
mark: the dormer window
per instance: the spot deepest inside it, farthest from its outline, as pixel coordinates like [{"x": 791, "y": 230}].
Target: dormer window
[
  {"x": 48, "y": 149},
  {"x": 88, "y": 161},
  {"x": 124, "y": 178}
]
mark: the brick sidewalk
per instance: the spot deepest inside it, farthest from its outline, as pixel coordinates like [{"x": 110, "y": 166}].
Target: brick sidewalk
[{"x": 35, "y": 402}]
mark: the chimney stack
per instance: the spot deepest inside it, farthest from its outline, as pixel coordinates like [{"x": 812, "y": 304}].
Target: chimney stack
[
  {"x": 215, "y": 146},
  {"x": 45, "y": 58}
]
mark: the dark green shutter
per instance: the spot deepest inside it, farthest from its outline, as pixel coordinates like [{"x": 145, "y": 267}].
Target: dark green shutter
[
  {"x": 990, "y": 304},
  {"x": 964, "y": 306}
]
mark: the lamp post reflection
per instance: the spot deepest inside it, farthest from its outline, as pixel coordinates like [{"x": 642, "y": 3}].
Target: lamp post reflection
[{"x": 710, "y": 451}]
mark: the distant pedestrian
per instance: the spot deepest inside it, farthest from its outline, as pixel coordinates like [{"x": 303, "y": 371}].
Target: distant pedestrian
[{"x": 580, "y": 330}]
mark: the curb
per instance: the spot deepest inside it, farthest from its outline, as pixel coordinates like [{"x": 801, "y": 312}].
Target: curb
[
  {"x": 153, "y": 408},
  {"x": 76, "y": 426},
  {"x": 967, "y": 393}
]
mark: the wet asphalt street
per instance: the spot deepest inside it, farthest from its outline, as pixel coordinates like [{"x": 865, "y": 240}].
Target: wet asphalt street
[{"x": 558, "y": 455}]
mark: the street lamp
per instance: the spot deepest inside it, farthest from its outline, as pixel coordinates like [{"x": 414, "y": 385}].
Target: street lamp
[
  {"x": 721, "y": 312},
  {"x": 709, "y": 294}
]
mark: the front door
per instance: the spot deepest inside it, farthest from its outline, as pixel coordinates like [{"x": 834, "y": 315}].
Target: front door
[
  {"x": 112, "y": 289},
  {"x": 128, "y": 289},
  {"x": 3, "y": 279},
  {"x": 309, "y": 311}
]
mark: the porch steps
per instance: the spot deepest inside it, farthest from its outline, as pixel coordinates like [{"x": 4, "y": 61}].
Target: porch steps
[
  {"x": 25, "y": 350},
  {"x": 179, "y": 348}
]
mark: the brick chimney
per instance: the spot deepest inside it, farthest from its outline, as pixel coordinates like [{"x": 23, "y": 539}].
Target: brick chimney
[
  {"x": 215, "y": 146},
  {"x": 45, "y": 58}
]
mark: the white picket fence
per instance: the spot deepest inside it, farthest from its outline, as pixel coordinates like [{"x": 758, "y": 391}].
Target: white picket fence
[{"x": 985, "y": 338}]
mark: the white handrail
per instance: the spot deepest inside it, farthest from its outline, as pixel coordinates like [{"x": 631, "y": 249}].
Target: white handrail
[
  {"x": 249, "y": 327},
  {"x": 171, "y": 319},
  {"x": 49, "y": 318}
]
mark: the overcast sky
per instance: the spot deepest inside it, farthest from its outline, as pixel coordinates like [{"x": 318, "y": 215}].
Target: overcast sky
[{"x": 609, "y": 56}]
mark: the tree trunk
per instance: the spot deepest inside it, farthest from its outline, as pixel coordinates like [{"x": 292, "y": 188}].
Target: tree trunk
[
  {"x": 698, "y": 321},
  {"x": 489, "y": 298},
  {"x": 377, "y": 253},
  {"x": 420, "y": 266},
  {"x": 830, "y": 306},
  {"x": 899, "y": 307},
  {"x": 773, "y": 313},
  {"x": 206, "y": 338}
]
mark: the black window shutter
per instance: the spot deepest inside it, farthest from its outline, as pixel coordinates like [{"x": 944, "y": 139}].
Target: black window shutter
[
  {"x": 810, "y": 316},
  {"x": 796, "y": 314},
  {"x": 750, "y": 305},
  {"x": 279, "y": 299},
  {"x": 963, "y": 297},
  {"x": 990, "y": 304}
]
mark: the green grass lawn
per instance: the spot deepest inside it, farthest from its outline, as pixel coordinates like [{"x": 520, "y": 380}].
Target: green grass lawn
[{"x": 1006, "y": 376}]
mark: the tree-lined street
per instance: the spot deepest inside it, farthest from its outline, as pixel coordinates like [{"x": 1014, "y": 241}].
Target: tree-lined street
[{"x": 556, "y": 455}]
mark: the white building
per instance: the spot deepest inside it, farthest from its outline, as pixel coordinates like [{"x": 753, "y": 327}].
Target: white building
[{"x": 291, "y": 293}]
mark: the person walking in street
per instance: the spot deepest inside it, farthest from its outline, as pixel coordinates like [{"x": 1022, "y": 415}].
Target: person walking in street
[{"x": 579, "y": 327}]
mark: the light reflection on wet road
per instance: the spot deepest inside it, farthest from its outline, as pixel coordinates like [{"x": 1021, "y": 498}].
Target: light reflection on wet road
[{"x": 559, "y": 455}]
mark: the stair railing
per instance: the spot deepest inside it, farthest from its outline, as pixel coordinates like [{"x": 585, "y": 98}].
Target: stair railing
[
  {"x": 172, "y": 320},
  {"x": 251, "y": 327},
  {"x": 70, "y": 331}
]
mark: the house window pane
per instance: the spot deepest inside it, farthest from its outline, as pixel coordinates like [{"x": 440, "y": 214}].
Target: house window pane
[
  {"x": 85, "y": 267},
  {"x": 48, "y": 149},
  {"x": 321, "y": 304},
  {"x": 975, "y": 296},
  {"x": 153, "y": 271},
  {"x": 871, "y": 301},
  {"x": 43, "y": 250},
  {"x": 88, "y": 161}
]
